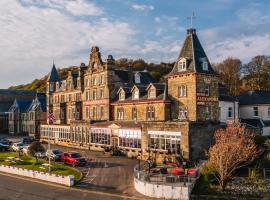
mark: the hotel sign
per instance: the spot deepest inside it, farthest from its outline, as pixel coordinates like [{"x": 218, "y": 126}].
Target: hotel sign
[{"x": 202, "y": 99}]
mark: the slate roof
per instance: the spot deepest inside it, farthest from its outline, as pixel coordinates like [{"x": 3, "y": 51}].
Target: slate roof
[
  {"x": 21, "y": 105},
  {"x": 254, "y": 98},
  {"x": 256, "y": 122},
  {"x": 53, "y": 76},
  {"x": 227, "y": 98},
  {"x": 161, "y": 95},
  {"x": 193, "y": 51},
  {"x": 145, "y": 77},
  {"x": 4, "y": 106},
  {"x": 40, "y": 101}
]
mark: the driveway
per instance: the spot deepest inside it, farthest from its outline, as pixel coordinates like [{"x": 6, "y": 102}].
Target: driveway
[{"x": 106, "y": 173}]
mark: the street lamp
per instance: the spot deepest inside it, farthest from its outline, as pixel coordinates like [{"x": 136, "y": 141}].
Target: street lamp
[{"x": 184, "y": 168}]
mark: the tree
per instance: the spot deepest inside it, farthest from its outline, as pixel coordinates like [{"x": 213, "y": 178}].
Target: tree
[
  {"x": 234, "y": 149},
  {"x": 34, "y": 148},
  {"x": 257, "y": 73},
  {"x": 230, "y": 74}
]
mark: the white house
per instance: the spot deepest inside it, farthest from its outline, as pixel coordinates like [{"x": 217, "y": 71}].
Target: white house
[
  {"x": 228, "y": 106},
  {"x": 254, "y": 109},
  {"x": 228, "y": 109}
]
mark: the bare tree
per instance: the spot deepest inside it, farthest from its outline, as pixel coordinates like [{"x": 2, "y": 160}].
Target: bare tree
[
  {"x": 234, "y": 148},
  {"x": 230, "y": 73}
]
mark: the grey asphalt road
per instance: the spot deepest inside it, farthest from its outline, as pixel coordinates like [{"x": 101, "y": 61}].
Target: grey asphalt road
[{"x": 17, "y": 189}]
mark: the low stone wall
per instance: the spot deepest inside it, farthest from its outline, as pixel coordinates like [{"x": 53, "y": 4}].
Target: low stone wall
[
  {"x": 163, "y": 191},
  {"x": 63, "y": 180}
]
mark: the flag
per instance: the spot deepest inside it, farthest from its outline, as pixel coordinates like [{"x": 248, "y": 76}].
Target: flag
[{"x": 51, "y": 117}]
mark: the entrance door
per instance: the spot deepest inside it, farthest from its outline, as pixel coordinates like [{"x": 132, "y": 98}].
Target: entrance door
[{"x": 115, "y": 142}]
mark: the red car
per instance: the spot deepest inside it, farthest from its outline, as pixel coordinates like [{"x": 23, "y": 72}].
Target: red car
[{"x": 73, "y": 158}]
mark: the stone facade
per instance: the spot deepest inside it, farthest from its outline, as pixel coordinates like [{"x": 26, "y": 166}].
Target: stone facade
[{"x": 107, "y": 107}]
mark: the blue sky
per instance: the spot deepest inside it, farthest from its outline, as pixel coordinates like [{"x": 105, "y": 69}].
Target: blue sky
[{"x": 34, "y": 32}]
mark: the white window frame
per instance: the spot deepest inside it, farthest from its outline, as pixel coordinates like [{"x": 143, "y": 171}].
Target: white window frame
[
  {"x": 230, "y": 112},
  {"x": 207, "y": 90},
  {"x": 136, "y": 94},
  {"x": 182, "y": 65},
  {"x": 205, "y": 66},
  {"x": 256, "y": 109}
]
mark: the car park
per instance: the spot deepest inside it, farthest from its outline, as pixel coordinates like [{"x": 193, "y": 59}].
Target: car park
[
  {"x": 17, "y": 146},
  {"x": 40, "y": 154},
  {"x": 54, "y": 154},
  {"x": 73, "y": 158},
  {"x": 4, "y": 147}
]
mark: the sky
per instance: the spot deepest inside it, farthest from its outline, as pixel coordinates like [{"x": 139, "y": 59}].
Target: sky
[{"x": 33, "y": 33}]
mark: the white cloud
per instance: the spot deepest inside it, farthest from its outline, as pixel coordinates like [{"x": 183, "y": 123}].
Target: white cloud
[
  {"x": 32, "y": 36},
  {"x": 142, "y": 7},
  {"x": 74, "y": 7}
]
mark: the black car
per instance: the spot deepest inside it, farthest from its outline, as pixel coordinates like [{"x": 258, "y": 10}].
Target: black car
[
  {"x": 5, "y": 141},
  {"x": 4, "y": 147}
]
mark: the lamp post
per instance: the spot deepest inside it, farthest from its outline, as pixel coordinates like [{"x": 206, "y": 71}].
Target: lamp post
[
  {"x": 49, "y": 146},
  {"x": 184, "y": 168},
  {"x": 155, "y": 147}
]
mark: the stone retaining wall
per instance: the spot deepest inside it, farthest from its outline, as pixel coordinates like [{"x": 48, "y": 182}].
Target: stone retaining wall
[{"x": 63, "y": 180}]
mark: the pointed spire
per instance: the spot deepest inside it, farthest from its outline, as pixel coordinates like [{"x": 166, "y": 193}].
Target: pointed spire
[
  {"x": 53, "y": 77},
  {"x": 194, "y": 55}
]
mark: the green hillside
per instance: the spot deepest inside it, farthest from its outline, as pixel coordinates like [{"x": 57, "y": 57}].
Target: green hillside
[{"x": 156, "y": 70}]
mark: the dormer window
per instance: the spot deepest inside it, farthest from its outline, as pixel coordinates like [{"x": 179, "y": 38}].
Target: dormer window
[
  {"x": 136, "y": 94},
  {"x": 182, "y": 65},
  {"x": 205, "y": 66},
  {"x": 137, "y": 78},
  {"x": 152, "y": 93},
  {"x": 122, "y": 96}
]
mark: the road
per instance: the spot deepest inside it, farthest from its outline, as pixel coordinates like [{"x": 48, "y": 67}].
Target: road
[{"x": 24, "y": 189}]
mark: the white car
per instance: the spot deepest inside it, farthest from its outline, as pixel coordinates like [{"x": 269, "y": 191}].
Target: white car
[
  {"x": 25, "y": 150},
  {"x": 17, "y": 146}
]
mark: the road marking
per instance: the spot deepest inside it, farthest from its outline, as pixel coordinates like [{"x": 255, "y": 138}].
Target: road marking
[{"x": 72, "y": 188}]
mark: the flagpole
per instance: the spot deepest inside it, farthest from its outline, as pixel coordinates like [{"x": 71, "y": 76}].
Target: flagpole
[{"x": 49, "y": 144}]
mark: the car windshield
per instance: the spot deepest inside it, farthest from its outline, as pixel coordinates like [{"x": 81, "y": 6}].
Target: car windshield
[
  {"x": 75, "y": 155},
  {"x": 56, "y": 151}
]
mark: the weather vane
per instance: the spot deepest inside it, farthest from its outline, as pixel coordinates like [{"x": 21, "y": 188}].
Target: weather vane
[{"x": 191, "y": 18}]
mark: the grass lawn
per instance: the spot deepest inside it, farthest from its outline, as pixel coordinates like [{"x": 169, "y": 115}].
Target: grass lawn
[{"x": 30, "y": 163}]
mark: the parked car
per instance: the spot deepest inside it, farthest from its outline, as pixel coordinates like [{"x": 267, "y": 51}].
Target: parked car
[
  {"x": 41, "y": 155},
  {"x": 27, "y": 140},
  {"x": 17, "y": 146},
  {"x": 54, "y": 154},
  {"x": 73, "y": 158},
  {"x": 4, "y": 147},
  {"x": 25, "y": 150},
  {"x": 5, "y": 141}
]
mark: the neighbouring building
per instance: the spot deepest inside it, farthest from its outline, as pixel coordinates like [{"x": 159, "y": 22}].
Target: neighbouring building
[
  {"x": 99, "y": 105},
  {"x": 254, "y": 109},
  {"x": 7, "y": 98},
  {"x": 228, "y": 106},
  {"x": 25, "y": 116}
]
